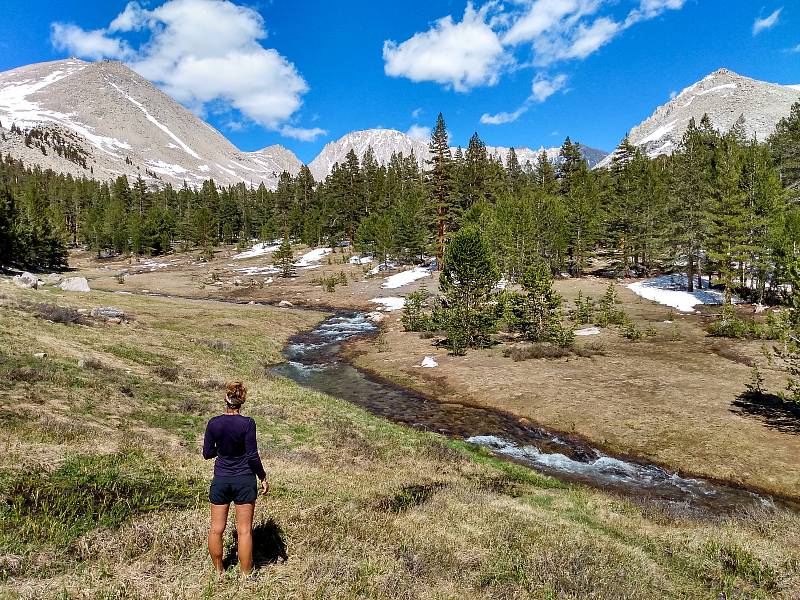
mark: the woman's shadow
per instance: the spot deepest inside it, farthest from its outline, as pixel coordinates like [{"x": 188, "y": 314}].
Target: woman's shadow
[{"x": 268, "y": 546}]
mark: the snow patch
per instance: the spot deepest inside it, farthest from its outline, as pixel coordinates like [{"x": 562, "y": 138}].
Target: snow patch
[
  {"x": 390, "y": 303},
  {"x": 588, "y": 331},
  {"x": 310, "y": 259},
  {"x": 659, "y": 133},
  {"x": 257, "y": 250},
  {"x": 717, "y": 88},
  {"x": 360, "y": 260},
  {"x": 671, "y": 290},
  {"x": 429, "y": 362},
  {"x": 155, "y": 122},
  {"x": 405, "y": 277}
]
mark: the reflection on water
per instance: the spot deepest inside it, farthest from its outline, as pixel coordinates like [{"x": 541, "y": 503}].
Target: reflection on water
[{"x": 314, "y": 361}]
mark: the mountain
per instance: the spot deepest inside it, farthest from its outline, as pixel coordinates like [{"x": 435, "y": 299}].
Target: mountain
[
  {"x": 102, "y": 119},
  {"x": 724, "y": 96},
  {"x": 385, "y": 142}
]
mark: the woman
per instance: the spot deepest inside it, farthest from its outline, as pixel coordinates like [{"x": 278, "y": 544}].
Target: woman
[{"x": 231, "y": 438}]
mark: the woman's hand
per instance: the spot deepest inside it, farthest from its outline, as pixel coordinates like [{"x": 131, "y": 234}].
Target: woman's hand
[{"x": 264, "y": 486}]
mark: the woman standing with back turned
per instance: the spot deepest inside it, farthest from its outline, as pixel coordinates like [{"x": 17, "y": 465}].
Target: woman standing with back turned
[{"x": 231, "y": 438}]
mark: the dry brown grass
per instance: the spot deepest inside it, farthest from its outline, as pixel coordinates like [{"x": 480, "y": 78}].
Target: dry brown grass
[
  {"x": 366, "y": 509},
  {"x": 668, "y": 398}
]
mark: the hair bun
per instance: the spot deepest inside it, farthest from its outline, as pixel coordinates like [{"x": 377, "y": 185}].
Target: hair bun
[{"x": 235, "y": 393}]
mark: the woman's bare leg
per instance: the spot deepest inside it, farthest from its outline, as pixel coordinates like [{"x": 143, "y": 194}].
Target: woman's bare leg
[
  {"x": 219, "y": 518},
  {"x": 244, "y": 534}
]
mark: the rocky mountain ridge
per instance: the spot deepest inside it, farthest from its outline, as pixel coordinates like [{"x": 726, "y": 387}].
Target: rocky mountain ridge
[{"x": 724, "y": 96}]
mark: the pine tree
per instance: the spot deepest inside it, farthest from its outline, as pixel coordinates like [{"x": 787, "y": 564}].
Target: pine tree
[
  {"x": 785, "y": 147},
  {"x": 467, "y": 283},
  {"x": 284, "y": 258},
  {"x": 536, "y": 312},
  {"x": 692, "y": 193},
  {"x": 439, "y": 179}
]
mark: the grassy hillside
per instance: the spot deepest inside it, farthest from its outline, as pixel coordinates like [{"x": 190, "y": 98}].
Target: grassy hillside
[{"x": 103, "y": 489}]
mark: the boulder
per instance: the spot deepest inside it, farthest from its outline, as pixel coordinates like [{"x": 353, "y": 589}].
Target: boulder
[
  {"x": 75, "y": 284},
  {"x": 53, "y": 279},
  {"x": 107, "y": 312},
  {"x": 285, "y": 304},
  {"x": 26, "y": 280},
  {"x": 40, "y": 354}
]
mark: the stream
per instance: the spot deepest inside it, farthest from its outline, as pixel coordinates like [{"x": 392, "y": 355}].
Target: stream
[{"x": 314, "y": 360}]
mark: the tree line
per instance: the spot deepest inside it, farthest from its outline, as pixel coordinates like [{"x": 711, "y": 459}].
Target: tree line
[{"x": 721, "y": 206}]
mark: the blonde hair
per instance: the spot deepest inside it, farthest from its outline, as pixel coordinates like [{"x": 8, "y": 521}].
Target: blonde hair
[{"x": 235, "y": 394}]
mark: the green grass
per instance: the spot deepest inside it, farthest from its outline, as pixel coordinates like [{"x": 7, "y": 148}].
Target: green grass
[
  {"x": 87, "y": 491},
  {"x": 102, "y": 487}
]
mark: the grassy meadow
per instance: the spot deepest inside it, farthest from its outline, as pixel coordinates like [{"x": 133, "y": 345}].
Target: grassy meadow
[{"x": 103, "y": 492}]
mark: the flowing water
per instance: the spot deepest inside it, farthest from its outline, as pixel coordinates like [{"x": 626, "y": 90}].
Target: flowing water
[{"x": 314, "y": 360}]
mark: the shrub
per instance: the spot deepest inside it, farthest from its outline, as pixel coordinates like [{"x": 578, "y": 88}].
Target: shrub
[
  {"x": 537, "y": 350},
  {"x": 415, "y": 318},
  {"x": 583, "y": 311},
  {"x": 59, "y": 314}
]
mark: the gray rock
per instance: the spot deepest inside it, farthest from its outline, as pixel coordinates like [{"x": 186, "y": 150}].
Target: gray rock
[
  {"x": 285, "y": 304},
  {"x": 40, "y": 354},
  {"x": 75, "y": 284},
  {"x": 26, "y": 280},
  {"x": 107, "y": 312},
  {"x": 53, "y": 279}
]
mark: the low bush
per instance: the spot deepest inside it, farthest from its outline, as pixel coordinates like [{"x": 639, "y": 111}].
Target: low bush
[
  {"x": 57, "y": 314},
  {"x": 538, "y": 350}
]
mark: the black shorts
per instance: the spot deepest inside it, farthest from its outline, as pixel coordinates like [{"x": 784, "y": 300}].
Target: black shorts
[{"x": 241, "y": 489}]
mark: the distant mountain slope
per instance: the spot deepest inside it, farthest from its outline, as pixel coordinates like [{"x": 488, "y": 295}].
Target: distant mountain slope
[
  {"x": 724, "y": 96},
  {"x": 103, "y": 119},
  {"x": 385, "y": 142}
]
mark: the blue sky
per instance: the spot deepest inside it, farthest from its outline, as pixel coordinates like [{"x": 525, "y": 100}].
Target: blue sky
[{"x": 521, "y": 72}]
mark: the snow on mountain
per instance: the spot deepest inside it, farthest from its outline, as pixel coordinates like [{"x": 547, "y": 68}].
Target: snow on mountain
[
  {"x": 385, "y": 142},
  {"x": 724, "y": 96},
  {"x": 103, "y": 120}
]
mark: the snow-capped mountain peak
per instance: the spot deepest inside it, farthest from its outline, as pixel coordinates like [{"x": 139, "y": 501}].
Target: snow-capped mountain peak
[
  {"x": 724, "y": 96},
  {"x": 102, "y": 119}
]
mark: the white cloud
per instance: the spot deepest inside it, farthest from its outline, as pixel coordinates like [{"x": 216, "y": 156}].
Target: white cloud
[
  {"x": 589, "y": 39},
  {"x": 768, "y": 22},
  {"x": 547, "y": 16},
  {"x": 673, "y": 94},
  {"x": 94, "y": 45},
  {"x": 544, "y": 87},
  {"x": 649, "y": 9},
  {"x": 415, "y": 114},
  {"x": 461, "y": 55},
  {"x": 302, "y": 134},
  {"x": 502, "y": 118},
  {"x": 418, "y": 132},
  {"x": 795, "y": 49},
  {"x": 541, "y": 89},
  {"x": 203, "y": 52}
]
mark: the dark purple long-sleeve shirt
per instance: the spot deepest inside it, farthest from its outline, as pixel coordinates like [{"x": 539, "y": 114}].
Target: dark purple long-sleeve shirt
[{"x": 232, "y": 440}]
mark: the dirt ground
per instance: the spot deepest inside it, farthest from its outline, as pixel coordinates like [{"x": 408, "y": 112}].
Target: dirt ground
[{"x": 669, "y": 399}]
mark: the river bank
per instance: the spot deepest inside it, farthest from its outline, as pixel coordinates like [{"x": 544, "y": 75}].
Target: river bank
[{"x": 671, "y": 400}]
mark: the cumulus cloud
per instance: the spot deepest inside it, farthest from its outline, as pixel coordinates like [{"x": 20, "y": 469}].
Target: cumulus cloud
[
  {"x": 418, "y": 132},
  {"x": 202, "y": 52},
  {"x": 767, "y": 22},
  {"x": 94, "y": 45},
  {"x": 478, "y": 50},
  {"x": 461, "y": 55}
]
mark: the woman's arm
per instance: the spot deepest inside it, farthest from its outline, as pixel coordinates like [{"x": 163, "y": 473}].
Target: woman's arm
[
  {"x": 209, "y": 447},
  {"x": 251, "y": 449}
]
